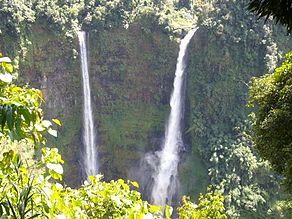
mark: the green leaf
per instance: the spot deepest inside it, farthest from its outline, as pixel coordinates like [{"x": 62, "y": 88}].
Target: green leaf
[
  {"x": 35, "y": 216},
  {"x": 91, "y": 178},
  {"x": 8, "y": 67},
  {"x": 3, "y": 121},
  {"x": 168, "y": 211},
  {"x": 9, "y": 118},
  {"x": 55, "y": 167},
  {"x": 131, "y": 215},
  {"x": 26, "y": 114},
  {"x": 11, "y": 207},
  {"x": 53, "y": 132},
  {"x": 5, "y": 59},
  {"x": 39, "y": 127},
  {"x": 6, "y": 77},
  {"x": 154, "y": 208},
  {"x": 57, "y": 121},
  {"x": 46, "y": 123},
  {"x": 135, "y": 184}
]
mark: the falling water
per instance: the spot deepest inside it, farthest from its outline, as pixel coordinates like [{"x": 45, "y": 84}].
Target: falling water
[
  {"x": 90, "y": 153},
  {"x": 164, "y": 187}
]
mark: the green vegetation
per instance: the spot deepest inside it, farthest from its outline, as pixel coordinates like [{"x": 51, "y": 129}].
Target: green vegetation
[
  {"x": 20, "y": 115},
  {"x": 271, "y": 94},
  {"x": 31, "y": 189},
  {"x": 209, "y": 206},
  {"x": 29, "y": 192},
  {"x": 224, "y": 55},
  {"x": 26, "y": 193},
  {"x": 249, "y": 185},
  {"x": 132, "y": 50},
  {"x": 27, "y": 188},
  {"x": 280, "y": 11},
  {"x": 67, "y": 17}
]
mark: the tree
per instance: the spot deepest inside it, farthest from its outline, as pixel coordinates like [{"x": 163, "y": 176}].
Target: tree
[
  {"x": 279, "y": 10},
  {"x": 209, "y": 206},
  {"x": 16, "y": 16},
  {"x": 20, "y": 113},
  {"x": 272, "y": 96}
]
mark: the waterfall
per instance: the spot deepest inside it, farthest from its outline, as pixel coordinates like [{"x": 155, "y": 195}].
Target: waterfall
[
  {"x": 90, "y": 153},
  {"x": 165, "y": 182}
]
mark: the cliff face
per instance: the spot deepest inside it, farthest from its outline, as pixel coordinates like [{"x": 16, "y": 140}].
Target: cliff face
[
  {"x": 52, "y": 65},
  {"x": 131, "y": 79},
  {"x": 131, "y": 76}
]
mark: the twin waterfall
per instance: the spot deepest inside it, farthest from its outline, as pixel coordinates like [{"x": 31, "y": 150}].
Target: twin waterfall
[
  {"x": 165, "y": 176},
  {"x": 90, "y": 153},
  {"x": 165, "y": 182}
]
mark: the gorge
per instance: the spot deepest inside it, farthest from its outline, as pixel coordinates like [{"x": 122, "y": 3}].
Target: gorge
[{"x": 133, "y": 52}]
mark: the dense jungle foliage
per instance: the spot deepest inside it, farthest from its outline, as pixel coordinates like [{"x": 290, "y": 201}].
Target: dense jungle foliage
[
  {"x": 30, "y": 187},
  {"x": 133, "y": 48},
  {"x": 272, "y": 120}
]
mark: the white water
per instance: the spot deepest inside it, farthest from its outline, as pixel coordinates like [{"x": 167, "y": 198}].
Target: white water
[
  {"x": 165, "y": 181},
  {"x": 90, "y": 153}
]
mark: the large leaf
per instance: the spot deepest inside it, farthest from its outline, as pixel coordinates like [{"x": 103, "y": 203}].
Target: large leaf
[
  {"x": 168, "y": 211},
  {"x": 3, "y": 120},
  {"x": 57, "y": 121},
  {"x": 6, "y": 77},
  {"x": 53, "y": 132},
  {"x": 8, "y": 67},
  {"x": 39, "y": 127},
  {"x": 135, "y": 184},
  {"x": 46, "y": 123},
  {"x": 5, "y": 59},
  {"x": 26, "y": 114},
  {"x": 55, "y": 167}
]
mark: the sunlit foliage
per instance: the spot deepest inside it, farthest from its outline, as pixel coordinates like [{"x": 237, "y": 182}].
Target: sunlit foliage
[
  {"x": 272, "y": 96},
  {"x": 209, "y": 206}
]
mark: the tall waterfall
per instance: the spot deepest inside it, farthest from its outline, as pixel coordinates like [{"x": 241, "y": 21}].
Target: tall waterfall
[
  {"x": 164, "y": 187},
  {"x": 90, "y": 153}
]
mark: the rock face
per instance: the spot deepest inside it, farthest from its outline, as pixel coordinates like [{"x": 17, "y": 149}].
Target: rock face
[
  {"x": 131, "y": 73},
  {"x": 131, "y": 81}
]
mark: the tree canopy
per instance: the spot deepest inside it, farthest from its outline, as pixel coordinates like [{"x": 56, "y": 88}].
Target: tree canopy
[
  {"x": 209, "y": 206},
  {"x": 20, "y": 112},
  {"x": 279, "y": 10},
  {"x": 272, "y": 96}
]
